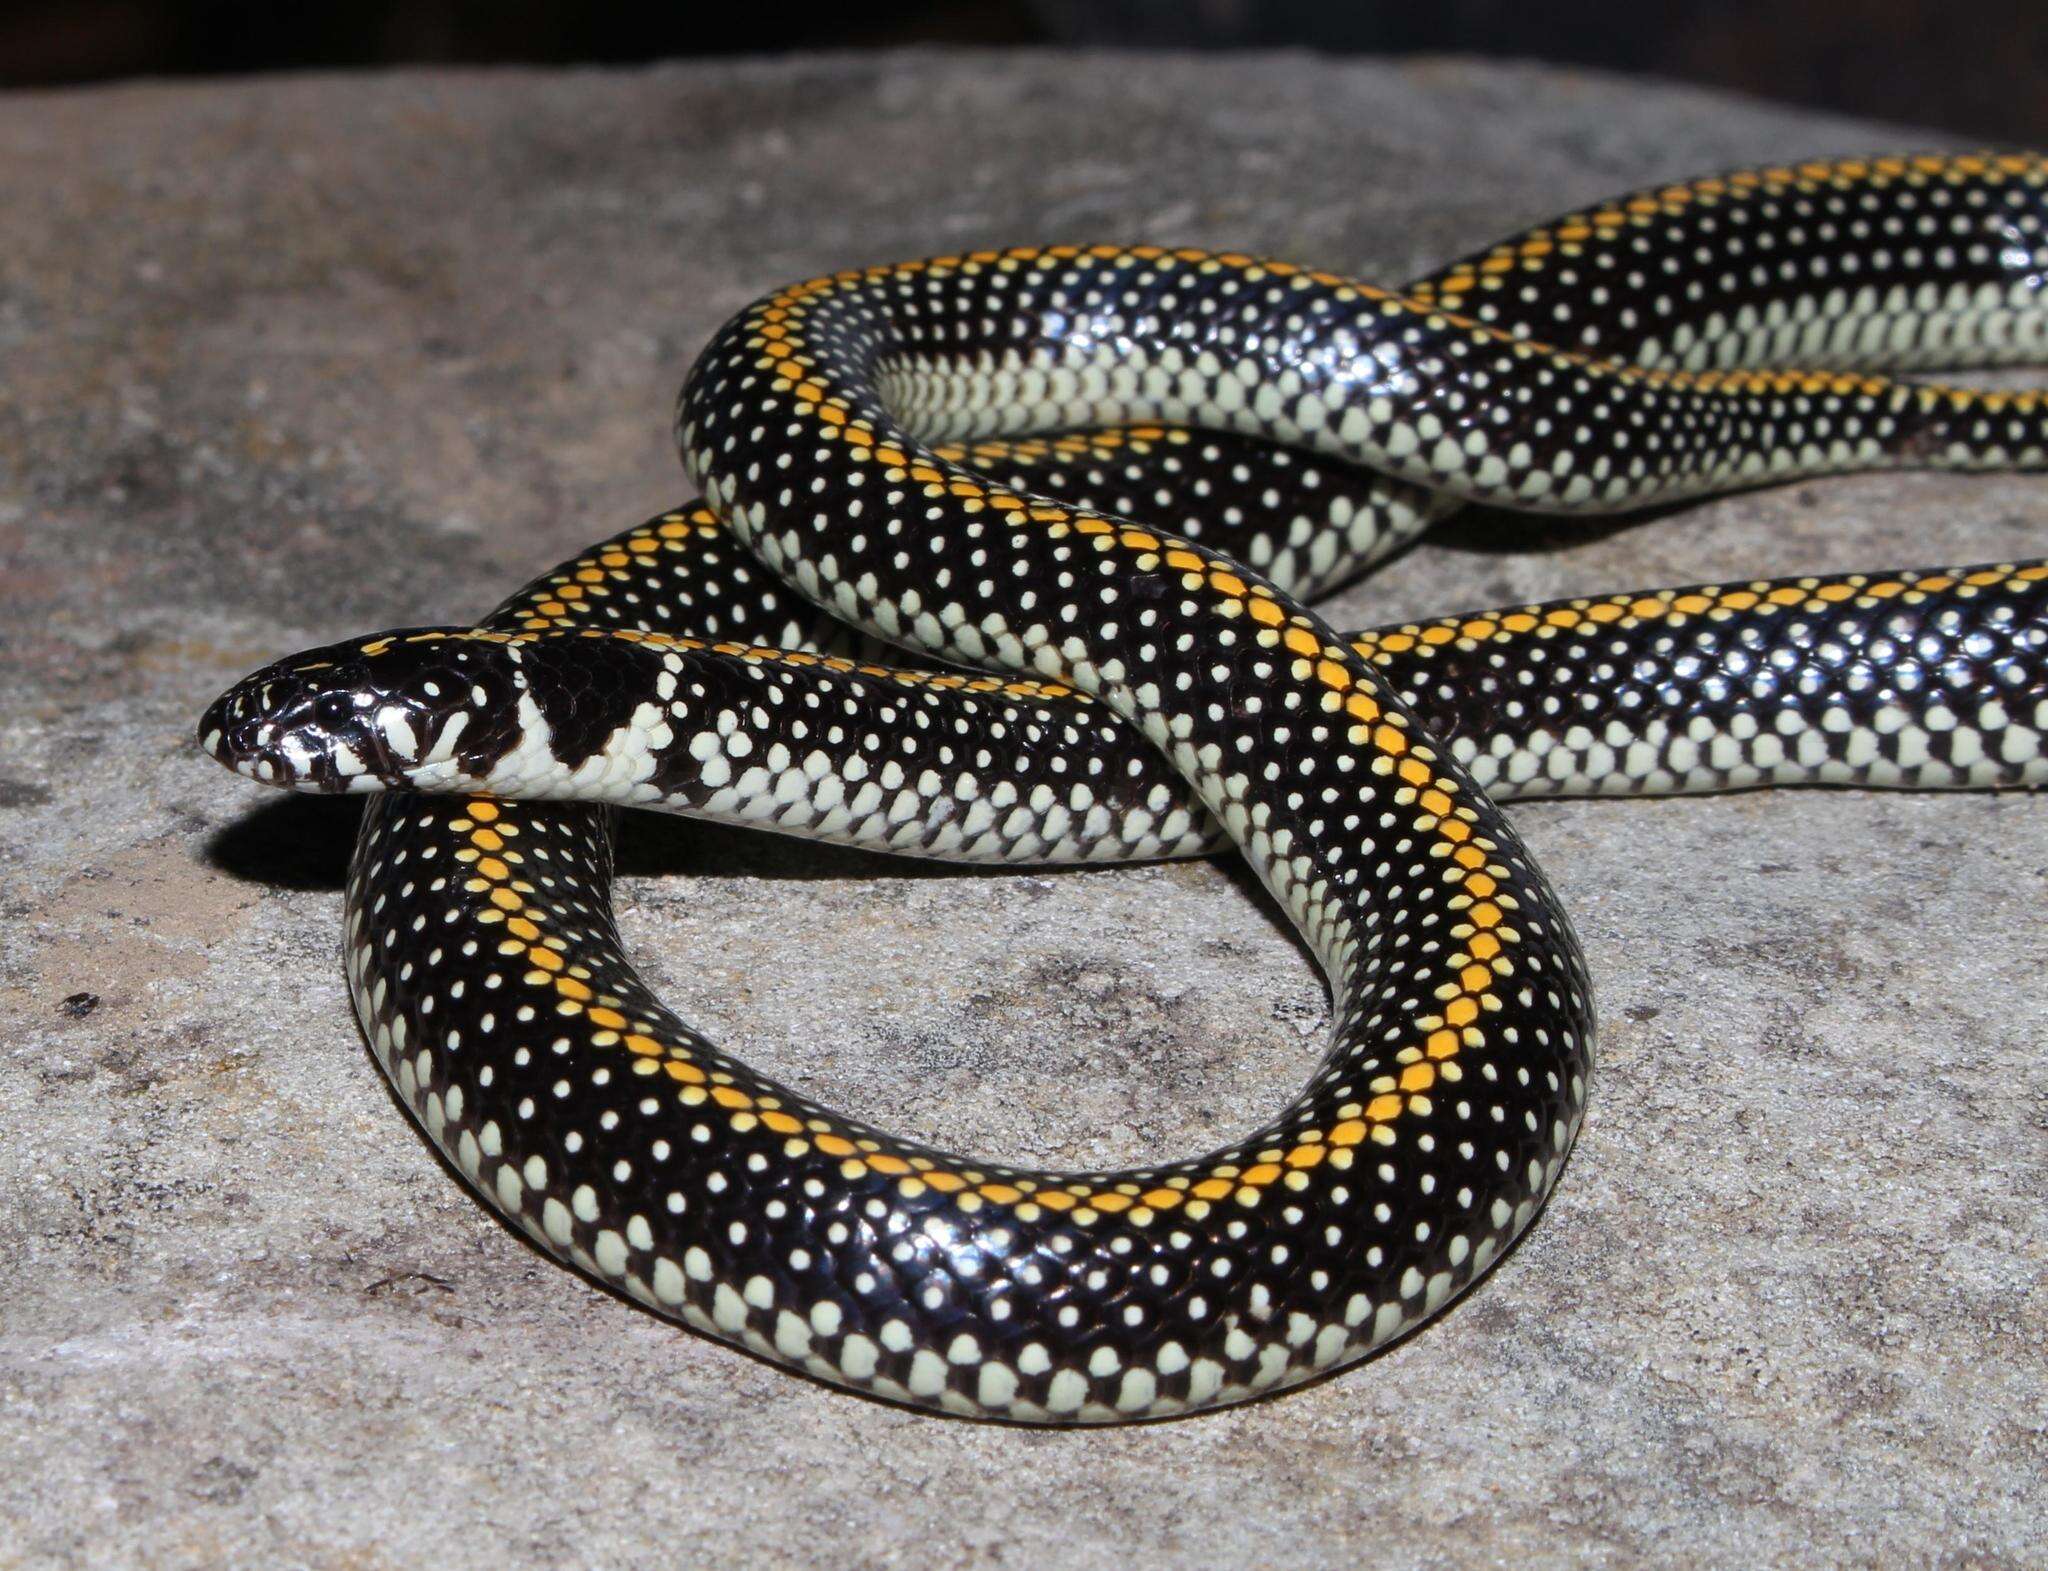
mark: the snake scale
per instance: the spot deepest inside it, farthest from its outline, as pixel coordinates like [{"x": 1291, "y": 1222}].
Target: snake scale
[{"x": 1090, "y": 484}]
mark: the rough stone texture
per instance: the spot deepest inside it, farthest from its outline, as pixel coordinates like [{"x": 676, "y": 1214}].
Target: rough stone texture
[{"x": 296, "y": 359}]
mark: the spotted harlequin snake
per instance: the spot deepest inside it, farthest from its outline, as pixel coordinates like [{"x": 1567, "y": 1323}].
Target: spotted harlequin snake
[{"x": 1223, "y": 434}]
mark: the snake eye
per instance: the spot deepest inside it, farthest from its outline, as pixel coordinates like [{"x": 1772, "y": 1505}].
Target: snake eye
[{"x": 334, "y": 709}]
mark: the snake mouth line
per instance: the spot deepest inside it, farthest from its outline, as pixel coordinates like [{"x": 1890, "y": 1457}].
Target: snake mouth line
[{"x": 272, "y": 728}]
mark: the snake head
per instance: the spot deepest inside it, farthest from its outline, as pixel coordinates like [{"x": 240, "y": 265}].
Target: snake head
[{"x": 419, "y": 708}]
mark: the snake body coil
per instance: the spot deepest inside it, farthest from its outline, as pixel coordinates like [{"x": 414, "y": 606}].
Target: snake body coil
[{"x": 876, "y": 438}]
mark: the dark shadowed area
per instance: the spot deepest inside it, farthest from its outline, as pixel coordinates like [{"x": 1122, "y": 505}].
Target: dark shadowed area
[{"x": 1980, "y": 70}]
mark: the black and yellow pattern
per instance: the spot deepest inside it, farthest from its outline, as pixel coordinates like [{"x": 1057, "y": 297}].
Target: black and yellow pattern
[{"x": 1274, "y": 429}]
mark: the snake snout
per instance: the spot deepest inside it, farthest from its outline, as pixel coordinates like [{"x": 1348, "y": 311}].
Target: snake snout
[
  {"x": 347, "y": 717},
  {"x": 282, "y": 730}
]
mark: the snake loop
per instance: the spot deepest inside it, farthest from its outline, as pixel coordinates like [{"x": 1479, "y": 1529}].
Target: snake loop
[{"x": 878, "y": 439}]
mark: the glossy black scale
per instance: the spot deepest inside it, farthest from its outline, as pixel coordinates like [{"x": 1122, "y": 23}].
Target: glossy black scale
[{"x": 959, "y": 1268}]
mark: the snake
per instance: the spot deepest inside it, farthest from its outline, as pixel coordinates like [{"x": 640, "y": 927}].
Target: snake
[{"x": 1087, "y": 489}]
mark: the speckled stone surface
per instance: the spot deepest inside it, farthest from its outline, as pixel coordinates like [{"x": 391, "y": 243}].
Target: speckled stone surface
[{"x": 286, "y": 361}]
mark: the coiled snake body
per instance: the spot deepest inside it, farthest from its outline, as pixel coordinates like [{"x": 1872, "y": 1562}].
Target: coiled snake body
[{"x": 1060, "y": 465}]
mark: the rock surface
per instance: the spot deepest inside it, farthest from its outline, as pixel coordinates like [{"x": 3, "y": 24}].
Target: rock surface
[{"x": 294, "y": 359}]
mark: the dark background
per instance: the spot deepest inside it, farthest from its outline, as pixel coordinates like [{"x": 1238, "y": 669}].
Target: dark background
[{"x": 1979, "y": 67}]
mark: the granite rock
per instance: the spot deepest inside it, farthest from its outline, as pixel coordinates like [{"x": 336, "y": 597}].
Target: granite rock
[{"x": 291, "y": 359}]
